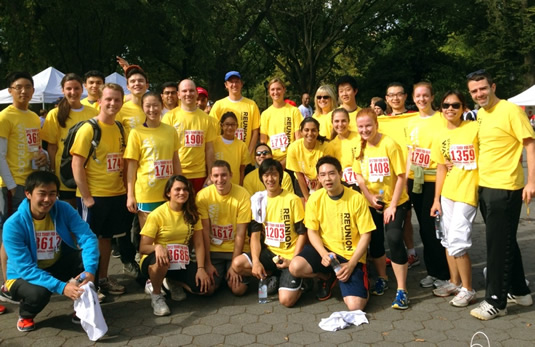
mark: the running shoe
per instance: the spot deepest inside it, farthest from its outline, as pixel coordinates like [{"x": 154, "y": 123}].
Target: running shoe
[
  {"x": 413, "y": 260},
  {"x": 25, "y": 324},
  {"x": 380, "y": 286},
  {"x": 131, "y": 269},
  {"x": 159, "y": 307},
  {"x": 486, "y": 311},
  {"x": 115, "y": 253},
  {"x": 464, "y": 298},
  {"x": 75, "y": 319},
  {"x": 2, "y": 309},
  {"x": 325, "y": 287},
  {"x": 522, "y": 300},
  {"x": 427, "y": 282},
  {"x": 440, "y": 283},
  {"x": 5, "y": 296},
  {"x": 176, "y": 290},
  {"x": 447, "y": 290},
  {"x": 401, "y": 302},
  {"x": 110, "y": 286},
  {"x": 388, "y": 261}
]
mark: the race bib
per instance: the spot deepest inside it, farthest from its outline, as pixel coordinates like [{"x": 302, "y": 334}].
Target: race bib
[
  {"x": 279, "y": 141},
  {"x": 421, "y": 157},
  {"x": 193, "y": 138},
  {"x": 114, "y": 162},
  {"x": 274, "y": 234},
  {"x": 32, "y": 137},
  {"x": 163, "y": 169},
  {"x": 349, "y": 176},
  {"x": 221, "y": 233},
  {"x": 378, "y": 168},
  {"x": 240, "y": 134},
  {"x": 178, "y": 256},
  {"x": 463, "y": 156},
  {"x": 47, "y": 244}
]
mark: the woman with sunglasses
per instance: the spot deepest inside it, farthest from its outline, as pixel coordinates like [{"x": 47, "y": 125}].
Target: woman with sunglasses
[
  {"x": 421, "y": 169},
  {"x": 252, "y": 182},
  {"x": 228, "y": 148},
  {"x": 325, "y": 103},
  {"x": 380, "y": 167},
  {"x": 279, "y": 123},
  {"x": 303, "y": 155},
  {"x": 456, "y": 195},
  {"x": 345, "y": 145}
]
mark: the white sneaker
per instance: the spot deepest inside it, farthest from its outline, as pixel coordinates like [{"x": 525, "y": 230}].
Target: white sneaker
[
  {"x": 447, "y": 290},
  {"x": 427, "y": 282},
  {"x": 176, "y": 290},
  {"x": 149, "y": 289},
  {"x": 463, "y": 298},
  {"x": 522, "y": 300},
  {"x": 159, "y": 307},
  {"x": 440, "y": 283},
  {"x": 486, "y": 311}
]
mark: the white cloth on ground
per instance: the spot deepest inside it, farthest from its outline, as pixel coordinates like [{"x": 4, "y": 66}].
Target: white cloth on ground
[
  {"x": 88, "y": 309},
  {"x": 342, "y": 319}
]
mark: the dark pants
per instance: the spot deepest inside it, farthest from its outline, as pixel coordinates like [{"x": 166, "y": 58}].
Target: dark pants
[
  {"x": 33, "y": 298},
  {"x": 505, "y": 272},
  {"x": 394, "y": 235},
  {"x": 434, "y": 252}
]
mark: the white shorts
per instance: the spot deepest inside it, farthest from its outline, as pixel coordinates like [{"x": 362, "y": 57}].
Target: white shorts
[{"x": 457, "y": 218}]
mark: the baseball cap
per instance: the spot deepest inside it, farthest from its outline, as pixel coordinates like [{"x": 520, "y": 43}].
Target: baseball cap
[
  {"x": 232, "y": 73},
  {"x": 201, "y": 90}
]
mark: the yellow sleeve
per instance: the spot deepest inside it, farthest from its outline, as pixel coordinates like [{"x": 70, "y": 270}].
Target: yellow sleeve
[
  {"x": 256, "y": 117},
  {"x": 244, "y": 210},
  {"x": 82, "y": 141},
  {"x": 152, "y": 225},
  {"x": 201, "y": 206},
  {"x": 50, "y": 129},
  {"x": 311, "y": 213},
  {"x": 132, "y": 150}
]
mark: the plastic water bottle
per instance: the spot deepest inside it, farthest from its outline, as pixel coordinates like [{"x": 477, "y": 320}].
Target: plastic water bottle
[
  {"x": 81, "y": 278},
  {"x": 380, "y": 201},
  {"x": 262, "y": 291},
  {"x": 335, "y": 264},
  {"x": 438, "y": 228}
]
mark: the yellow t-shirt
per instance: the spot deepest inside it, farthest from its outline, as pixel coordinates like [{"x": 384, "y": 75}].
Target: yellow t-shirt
[
  {"x": 235, "y": 153},
  {"x": 460, "y": 146},
  {"x": 225, "y": 212},
  {"x": 21, "y": 129},
  {"x": 395, "y": 127},
  {"x": 253, "y": 184},
  {"x": 194, "y": 130},
  {"x": 280, "y": 125},
  {"x": 245, "y": 110},
  {"x": 52, "y": 132},
  {"x": 167, "y": 227},
  {"x": 153, "y": 149},
  {"x": 282, "y": 212},
  {"x": 303, "y": 160},
  {"x": 95, "y": 104},
  {"x": 340, "y": 222},
  {"x": 380, "y": 168},
  {"x": 420, "y": 135},
  {"x": 131, "y": 116},
  {"x": 353, "y": 120},
  {"x": 105, "y": 174},
  {"x": 502, "y": 130},
  {"x": 326, "y": 124},
  {"x": 346, "y": 151}
]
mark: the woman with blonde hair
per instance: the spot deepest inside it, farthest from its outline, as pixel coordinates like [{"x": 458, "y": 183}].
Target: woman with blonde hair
[{"x": 325, "y": 102}]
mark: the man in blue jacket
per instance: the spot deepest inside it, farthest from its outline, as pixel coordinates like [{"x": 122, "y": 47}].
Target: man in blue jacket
[{"x": 47, "y": 243}]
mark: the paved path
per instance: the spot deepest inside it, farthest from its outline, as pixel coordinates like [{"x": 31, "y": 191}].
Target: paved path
[{"x": 230, "y": 321}]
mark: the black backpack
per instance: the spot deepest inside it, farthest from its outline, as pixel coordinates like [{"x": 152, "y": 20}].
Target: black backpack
[{"x": 65, "y": 168}]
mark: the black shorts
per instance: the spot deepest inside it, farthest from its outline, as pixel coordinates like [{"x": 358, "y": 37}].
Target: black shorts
[
  {"x": 286, "y": 280},
  {"x": 186, "y": 276},
  {"x": 67, "y": 194},
  {"x": 108, "y": 218}
]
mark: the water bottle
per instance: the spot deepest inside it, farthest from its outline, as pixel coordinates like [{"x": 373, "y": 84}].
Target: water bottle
[
  {"x": 81, "y": 278},
  {"x": 380, "y": 201},
  {"x": 262, "y": 291},
  {"x": 438, "y": 228},
  {"x": 335, "y": 264}
]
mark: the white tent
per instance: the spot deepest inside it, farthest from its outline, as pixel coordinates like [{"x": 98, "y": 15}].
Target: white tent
[
  {"x": 526, "y": 98},
  {"x": 119, "y": 79}
]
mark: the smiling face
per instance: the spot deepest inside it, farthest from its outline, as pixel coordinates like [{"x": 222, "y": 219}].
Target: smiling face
[
  {"x": 367, "y": 127},
  {"x": 234, "y": 85},
  {"x": 452, "y": 109},
  {"x": 72, "y": 91},
  {"x": 482, "y": 92},
  {"x": 262, "y": 153},
  {"x": 229, "y": 126},
  {"x": 396, "y": 96},
  {"x": 346, "y": 93},
  {"x": 422, "y": 98},
  {"x": 42, "y": 198},
  {"x": 137, "y": 85},
  {"x": 179, "y": 193},
  {"x": 276, "y": 92},
  {"x": 22, "y": 91},
  {"x": 310, "y": 133},
  {"x": 222, "y": 179},
  {"x": 340, "y": 123},
  {"x": 111, "y": 101},
  {"x": 170, "y": 97},
  {"x": 188, "y": 93},
  {"x": 92, "y": 84},
  {"x": 271, "y": 180},
  {"x": 152, "y": 108}
]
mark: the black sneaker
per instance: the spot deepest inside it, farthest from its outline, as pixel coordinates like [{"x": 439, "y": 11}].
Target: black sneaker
[
  {"x": 75, "y": 319},
  {"x": 5, "y": 296},
  {"x": 325, "y": 287}
]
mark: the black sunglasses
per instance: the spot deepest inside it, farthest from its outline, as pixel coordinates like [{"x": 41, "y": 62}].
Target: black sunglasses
[
  {"x": 262, "y": 153},
  {"x": 325, "y": 97},
  {"x": 478, "y": 72},
  {"x": 455, "y": 105}
]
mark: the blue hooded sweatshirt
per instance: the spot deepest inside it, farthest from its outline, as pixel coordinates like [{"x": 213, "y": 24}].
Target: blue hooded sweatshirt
[{"x": 21, "y": 247}]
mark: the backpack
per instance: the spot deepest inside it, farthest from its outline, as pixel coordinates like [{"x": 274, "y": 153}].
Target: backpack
[{"x": 65, "y": 167}]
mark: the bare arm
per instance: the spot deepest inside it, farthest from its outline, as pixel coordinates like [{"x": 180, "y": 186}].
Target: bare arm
[
  {"x": 348, "y": 268},
  {"x": 371, "y": 198},
  {"x": 131, "y": 202},
  {"x": 177, "y": 168},
  {"x": 254, "y": 140},
  {"x": 439, "y": 183},
  {"x": 210, "y": 158},
  {"x": 529, "y": 189},
  {"x": 52, "y": 150},
  {"x": 239, "y": 239},
  {"x": 390, "y": 211},
  {"x": 78, "y": 171},
  {"x": 303, "y": 185}
]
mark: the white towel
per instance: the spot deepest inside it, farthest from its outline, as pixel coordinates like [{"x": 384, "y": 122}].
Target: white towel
[
  {"x": 88, "y": 310},
  {"x": 343, "y": 319},
  {"x": 259, "y": 206}
]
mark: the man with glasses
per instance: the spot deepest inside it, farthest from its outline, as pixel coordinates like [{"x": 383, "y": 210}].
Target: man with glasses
[
  {"x": 346, "y": 86},
  {"x": 169, "y": 96},
  {"x": 396, "y": 96},
  {"x": 504, "y": 131},
  {"x": 252, "y": 182},
  {"x": 245, "y": 109}
]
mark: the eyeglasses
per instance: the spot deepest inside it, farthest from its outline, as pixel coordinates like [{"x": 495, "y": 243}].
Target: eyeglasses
[
  {"x": 169, "y": 93},
  {"x": 19, "y": 88},
  {"x": 262, "y": 153},
  {"x": 324, "y": 97},
  {"x": 229, "y": 124},
  {"x": 478, "y": 72},
  {"x": 455, "y": 105},
  {"x": 399, "y": 95}
]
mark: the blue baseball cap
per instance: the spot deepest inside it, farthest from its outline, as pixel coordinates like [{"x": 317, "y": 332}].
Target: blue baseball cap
[{"x": 232, "y": 73}]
